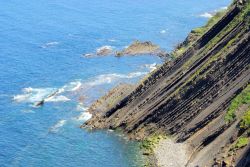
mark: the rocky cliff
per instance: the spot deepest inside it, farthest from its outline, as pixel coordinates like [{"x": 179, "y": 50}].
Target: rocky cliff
[{"x": 190, "y": 97}]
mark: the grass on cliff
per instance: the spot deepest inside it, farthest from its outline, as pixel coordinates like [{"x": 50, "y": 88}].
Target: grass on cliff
[
  {"x": 210, "y": 23},
  {"x": 198, "y": 32},
  {"x": 201, "y": 73},
  {"x": 148, "y": 144},
  {"x": 242, "y": 98},
  {"x": 245, "y": 121},
  {"x": 241, "y": 142}
]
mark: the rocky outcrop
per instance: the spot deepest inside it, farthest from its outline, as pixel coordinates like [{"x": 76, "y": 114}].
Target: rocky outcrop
[
  {"x": 107, "y": 101},
  {"x": 139, "y": 48},
  {"x": 136, "y": 48},
  {"x": 188, "y": 98}
]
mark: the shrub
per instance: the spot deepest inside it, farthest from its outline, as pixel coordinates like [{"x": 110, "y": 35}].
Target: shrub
[
  {"x": 242, "y": 98},
  {"x": 241, "y": 142},
  {"x": 245, "y": 122},
  {"x": 150, "y": 143}
]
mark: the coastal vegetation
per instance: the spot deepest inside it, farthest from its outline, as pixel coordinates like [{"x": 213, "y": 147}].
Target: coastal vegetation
[
  {"x": 213, "y": 20},
  {"x": 150, "y": 143},
  {"x": 239, "y": 100},
  {"x": 197, "y": 96},
  {"x": 245, "y": 121},
  {"x": 241, "y": 142},
  {"x": 197, "y": 33}
]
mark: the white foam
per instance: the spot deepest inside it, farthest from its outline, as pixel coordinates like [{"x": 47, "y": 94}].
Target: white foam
[
  {"x": 58, "y": 125},
  {"x": 206, "y": 15},
  {"x": 33, "y": 94},
  {"x": 20, "y": 98},
  {"x": 84, "y": 116},
  {"x": 109, "y": 78},
  {"x": 50, "y": 44},
  {"x": 80, "y": 107},
  {"x": 104, "y": 50},
  {"x": 59, "y": 98},
  {"x": 151, "y": 67},
  {"x": 112, "y": 40},
  {"x": 77, "y": 86},
  {"x": 88, "y": 55},
  {"x": 72, "y": 86},
  {"x": 163, "y": 31}
]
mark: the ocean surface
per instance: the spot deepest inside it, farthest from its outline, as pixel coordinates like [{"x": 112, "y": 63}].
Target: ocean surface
[{"x": 42, "y": 43}]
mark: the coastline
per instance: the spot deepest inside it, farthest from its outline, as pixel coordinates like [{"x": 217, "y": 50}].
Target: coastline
[
  {"x": 188, "y": 109},
  {"x": 168, "y": 153},
  {"x": 164, "y": 151}
]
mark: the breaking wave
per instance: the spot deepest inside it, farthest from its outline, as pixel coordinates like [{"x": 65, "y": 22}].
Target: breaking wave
[
  {"x": 59, "y": 98},
  {"x": 104, "y": 50},
  {"x": 109, "y": 78},
  {"x": 58, "y": 125},
  {"x": 84, "y": 116},
  {"x": 80, "y": 107},
  {"x": 151, "y": 67},
  {"x": 33, "y": 94}
]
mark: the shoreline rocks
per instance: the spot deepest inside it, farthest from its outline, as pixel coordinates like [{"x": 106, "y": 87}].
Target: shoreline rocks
[
  {"x": 138, "y": 48},
  {"x": 135, "y": 48}
]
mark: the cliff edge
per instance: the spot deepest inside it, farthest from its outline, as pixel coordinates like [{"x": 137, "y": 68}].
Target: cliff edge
[{"x": 193, "y": 97}]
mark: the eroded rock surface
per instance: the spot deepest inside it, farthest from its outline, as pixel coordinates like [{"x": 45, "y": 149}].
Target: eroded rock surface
[
  {"x": 138, "y": 48},
  {"x": 188, "y": 98}
]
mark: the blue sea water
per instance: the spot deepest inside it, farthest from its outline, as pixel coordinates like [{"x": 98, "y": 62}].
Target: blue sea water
[{"x": 41, "y": 48}]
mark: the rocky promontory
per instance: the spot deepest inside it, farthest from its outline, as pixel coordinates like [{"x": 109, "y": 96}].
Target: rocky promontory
[
  {"x": 140, "y": 48},
  {"x": 201, "y": 98},
  {"x": 135, "y": 48}
]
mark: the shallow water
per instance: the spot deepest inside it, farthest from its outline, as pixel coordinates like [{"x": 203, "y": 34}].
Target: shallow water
[{"x": 41, "y": 48}]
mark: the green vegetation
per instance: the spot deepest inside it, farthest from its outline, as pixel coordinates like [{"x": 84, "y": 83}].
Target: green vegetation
[
  {"x": 210, "y": 23},
  {"x": 245, "y": 121},
  {"x": 242, "y": 98},
  {"x": 241, "y": 142},
  {"x": 150, "y": 143},
  {"x": 198, "y": 32},
  {"x": 202, "y": 72}
]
